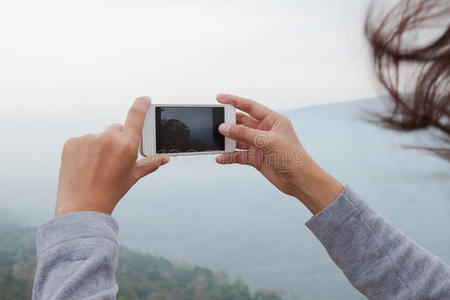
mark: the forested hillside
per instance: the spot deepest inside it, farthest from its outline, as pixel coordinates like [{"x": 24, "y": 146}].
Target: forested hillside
[{"x": 140, "y": 276}]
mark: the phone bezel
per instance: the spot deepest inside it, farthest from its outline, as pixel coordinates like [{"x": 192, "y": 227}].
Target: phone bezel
[{"x": 148, "y": 137}]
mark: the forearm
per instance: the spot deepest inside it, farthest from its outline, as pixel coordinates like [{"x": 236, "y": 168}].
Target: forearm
[
  {"x": 379, "y": 260},
  {"x": 77, "y": 256}
]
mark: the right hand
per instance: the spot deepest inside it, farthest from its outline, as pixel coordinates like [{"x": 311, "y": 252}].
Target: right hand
[{"x": 273, "y": 148}]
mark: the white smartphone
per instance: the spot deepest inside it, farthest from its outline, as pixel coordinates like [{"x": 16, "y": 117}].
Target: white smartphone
[{"x": 186, "y": 129}]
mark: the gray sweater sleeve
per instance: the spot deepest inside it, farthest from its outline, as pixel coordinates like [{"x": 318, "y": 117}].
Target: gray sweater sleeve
[
  {"x": 77, "y": 255},
  {"x": 378, "y": 260}
]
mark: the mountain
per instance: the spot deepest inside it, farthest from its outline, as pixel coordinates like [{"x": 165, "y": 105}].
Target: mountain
[
  {"x": 139, "y": 275},
  {"x": 229, "y": 217}
]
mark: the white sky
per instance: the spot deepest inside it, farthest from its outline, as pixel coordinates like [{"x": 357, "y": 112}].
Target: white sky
[{"x": 87, "y": 56}]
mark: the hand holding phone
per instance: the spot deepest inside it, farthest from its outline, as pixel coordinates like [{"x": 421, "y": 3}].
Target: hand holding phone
[
  {"x": 97, "y": 170},
  {"x": 268, "y": 142}
]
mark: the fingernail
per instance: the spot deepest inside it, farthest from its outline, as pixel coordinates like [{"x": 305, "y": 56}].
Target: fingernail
[
  {"x": 225, "y": 128},
  {"x": 144, "y": 99}
]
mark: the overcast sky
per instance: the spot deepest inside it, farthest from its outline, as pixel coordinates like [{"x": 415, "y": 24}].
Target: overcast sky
[{"x": 85, "y": 56}]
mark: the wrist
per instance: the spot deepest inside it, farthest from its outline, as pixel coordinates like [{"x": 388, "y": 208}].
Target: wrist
[
  {"x": 314, "y": 187},
  {"x": 67, "y": 207}
]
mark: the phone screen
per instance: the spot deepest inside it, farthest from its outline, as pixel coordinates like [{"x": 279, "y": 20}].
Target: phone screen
[{"x": 189, "y": 129}]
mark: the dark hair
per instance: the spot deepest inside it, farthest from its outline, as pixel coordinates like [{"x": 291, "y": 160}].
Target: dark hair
[{"x": 410, "y": 47}]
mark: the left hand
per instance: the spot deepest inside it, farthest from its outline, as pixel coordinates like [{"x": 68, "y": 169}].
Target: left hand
[{"x": 97, "y": 170}]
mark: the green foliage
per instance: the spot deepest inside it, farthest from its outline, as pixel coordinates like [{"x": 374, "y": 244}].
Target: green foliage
[
  {"x": 17, "y": 261},
  {"x": 140, "y": 276}
]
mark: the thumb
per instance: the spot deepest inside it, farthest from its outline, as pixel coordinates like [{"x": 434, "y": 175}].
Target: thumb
[{"x": 149, "y": 164}]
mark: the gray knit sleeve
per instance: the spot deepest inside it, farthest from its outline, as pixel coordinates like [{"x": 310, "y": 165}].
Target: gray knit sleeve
[
  {"x": 77, "y": 255},
  {"x": 378, "y": 260}
]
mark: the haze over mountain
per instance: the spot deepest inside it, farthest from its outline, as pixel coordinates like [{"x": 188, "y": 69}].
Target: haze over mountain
[{"x": 230, "y": 217}]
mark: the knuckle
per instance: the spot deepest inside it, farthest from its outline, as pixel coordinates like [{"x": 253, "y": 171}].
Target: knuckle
[
  {"x": 106, "y": 140},
  {"x": 132, "y": 110},
  {"x": 285, "y": 119},
  {"x": 89, "y": 137},
  {"x": 252, "y": 105},
  {"x": 240, "y": 130},
  {"x": 116, "y": 126},
  {"x": 107, "y": 135},
  {"x": 248, "y": 106},
  {"x": 70, "y": 142},
  {"x": 136, "y": 109},
  {"x": 273, "y": 118},
  {"x": 70, "y": 146}
]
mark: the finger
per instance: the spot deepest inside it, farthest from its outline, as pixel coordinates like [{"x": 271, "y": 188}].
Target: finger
[
  {"x": 136, "y": 116},
  {"x": 244, "y": 134},
  {"x": 114, "y": 127},
  {"x": 149, "y": 164},
  {"x": 253, "y": 108},
  {"x": 242, "y": 146},
  {"x": 246, "y": 120},
  {"x": 236, "y": 157}
]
